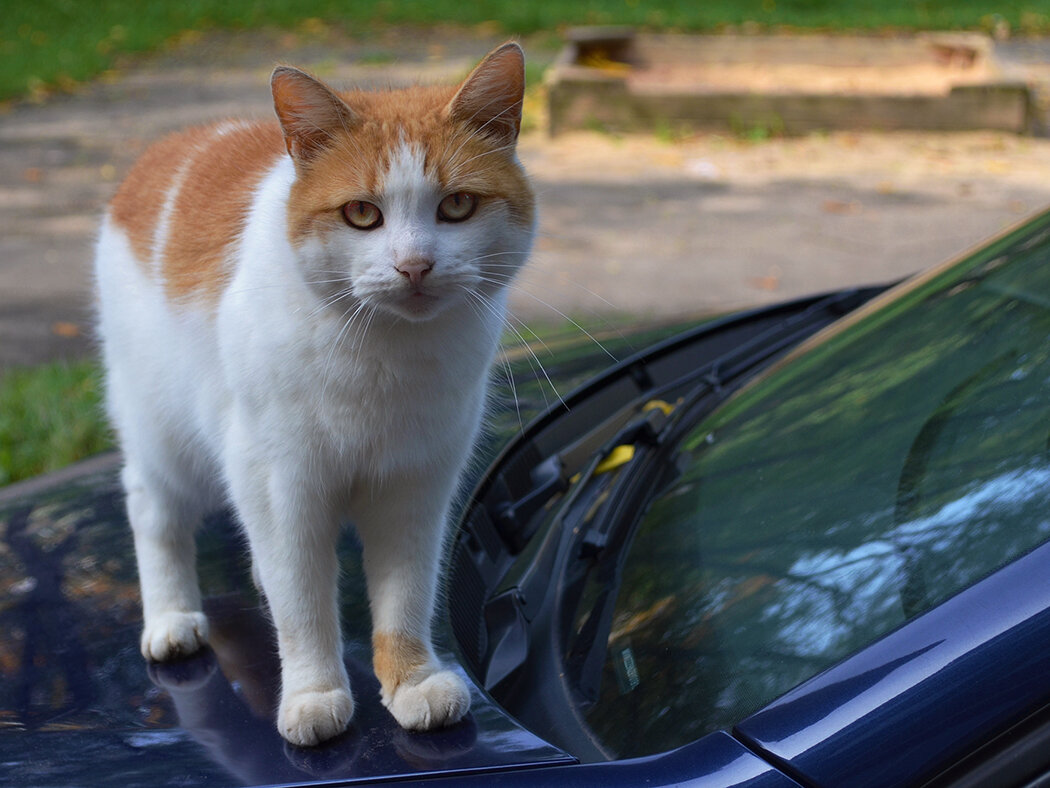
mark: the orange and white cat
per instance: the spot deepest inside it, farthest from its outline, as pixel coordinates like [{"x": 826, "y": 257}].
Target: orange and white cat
[{"x": 298, "y": 318}]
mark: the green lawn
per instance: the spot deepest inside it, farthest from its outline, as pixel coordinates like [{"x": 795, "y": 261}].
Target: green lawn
[
  {"x": 46, "y": 43},
  {"x": 50, "y": 416}
]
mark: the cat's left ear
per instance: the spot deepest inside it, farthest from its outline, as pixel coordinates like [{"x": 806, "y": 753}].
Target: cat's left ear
[
  {"x": 490, "y": 98},
  {"x": 310, "y": 113}
]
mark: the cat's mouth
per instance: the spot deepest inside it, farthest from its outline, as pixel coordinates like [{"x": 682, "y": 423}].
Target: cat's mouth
[
  {"x": 421, "y": 300},
  {"x": 416, "y": 305},
  {"x": 416, "y": 302}
]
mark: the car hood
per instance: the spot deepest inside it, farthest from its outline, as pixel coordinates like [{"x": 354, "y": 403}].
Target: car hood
[{"x": 79, "y": 705}]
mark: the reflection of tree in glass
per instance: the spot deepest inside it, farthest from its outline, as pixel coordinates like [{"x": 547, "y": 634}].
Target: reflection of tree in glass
[{"x": 898, "y": 462}]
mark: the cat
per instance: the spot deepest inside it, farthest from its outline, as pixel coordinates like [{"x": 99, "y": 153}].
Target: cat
[{"x": 298, "y": 318}]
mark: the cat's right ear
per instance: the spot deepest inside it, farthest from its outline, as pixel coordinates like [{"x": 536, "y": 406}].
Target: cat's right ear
[{"x": 310, "y": 113}]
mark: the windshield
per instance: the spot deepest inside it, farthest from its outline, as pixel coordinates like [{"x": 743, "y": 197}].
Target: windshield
[{"x": 897, "y": 462}]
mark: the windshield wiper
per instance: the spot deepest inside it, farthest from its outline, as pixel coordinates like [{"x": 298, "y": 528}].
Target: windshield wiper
[
  {"x": 654, "y": 463},
  {"x": 537, "y": 565}
]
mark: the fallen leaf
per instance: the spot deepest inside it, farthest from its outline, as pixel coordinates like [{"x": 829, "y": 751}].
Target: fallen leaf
[
  {"x": 842, "y": 207},
  {"x": 769, "y": 282},
  {"x": 65, "y": 329}
]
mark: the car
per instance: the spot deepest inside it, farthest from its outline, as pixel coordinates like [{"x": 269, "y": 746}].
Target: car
[{"x": 802, "y": 545}]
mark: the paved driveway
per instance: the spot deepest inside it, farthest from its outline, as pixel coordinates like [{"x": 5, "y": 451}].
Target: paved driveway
[{"x": 628, "y": 226}]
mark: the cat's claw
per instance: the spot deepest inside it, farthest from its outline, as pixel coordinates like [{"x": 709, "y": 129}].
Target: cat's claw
[
  {"x": 173, "y": 634},
  {"x": 309, "y": 718},
  {"x": 439, "y": 700}
]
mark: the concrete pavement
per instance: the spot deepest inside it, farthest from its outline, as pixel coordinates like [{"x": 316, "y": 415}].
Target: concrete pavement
[{"x": 629, "y": 226}]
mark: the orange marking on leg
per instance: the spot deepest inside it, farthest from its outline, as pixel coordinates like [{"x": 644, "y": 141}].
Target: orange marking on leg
[{"x": 396, "y": 658}]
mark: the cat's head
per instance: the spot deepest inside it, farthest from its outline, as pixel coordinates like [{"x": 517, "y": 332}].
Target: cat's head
[{"x": 413, "y": 199}]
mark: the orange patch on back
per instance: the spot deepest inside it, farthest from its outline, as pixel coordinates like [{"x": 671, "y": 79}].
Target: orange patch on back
[
  {"x": 138, "y": 205},
  {"x": 214, "y": 171},
  {"x": 212, "y": 205}
]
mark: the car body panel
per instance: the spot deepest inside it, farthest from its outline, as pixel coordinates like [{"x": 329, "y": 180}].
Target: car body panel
[
  {"x": 930, "y": 693},
  {"x": 715, "y": 761},
  {"x": 80, "y": 706}
]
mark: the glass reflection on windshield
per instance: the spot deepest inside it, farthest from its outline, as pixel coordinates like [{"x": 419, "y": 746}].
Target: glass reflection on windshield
[{"x": 891, "y": 466}]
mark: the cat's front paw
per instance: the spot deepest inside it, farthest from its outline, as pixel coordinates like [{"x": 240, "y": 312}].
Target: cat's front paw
[
  {"x": 438, "y": 700},
  {"x": 309, "y": 718},
  {"x": 173, "y": 634}
]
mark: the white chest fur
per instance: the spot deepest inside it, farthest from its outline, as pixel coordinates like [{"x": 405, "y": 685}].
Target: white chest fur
[{"x": 370, "y": 389}]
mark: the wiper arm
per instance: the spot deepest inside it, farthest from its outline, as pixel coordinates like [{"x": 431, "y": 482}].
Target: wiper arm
[
  {"x": 603, "y": 547},
  {"x": 604, "y": 544}
]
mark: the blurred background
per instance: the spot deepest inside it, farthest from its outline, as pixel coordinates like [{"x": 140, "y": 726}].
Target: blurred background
[{"x": 689, "y": 158}]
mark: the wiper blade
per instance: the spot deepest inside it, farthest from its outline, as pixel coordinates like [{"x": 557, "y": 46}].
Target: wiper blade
[
  {"x": 602, "y": 547},
  {"x": 654, "y": 462}
]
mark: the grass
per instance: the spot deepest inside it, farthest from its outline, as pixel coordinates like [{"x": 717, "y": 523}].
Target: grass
[
  {"x": 50, "y": 416},
  {"x": 57, "y": 43}
]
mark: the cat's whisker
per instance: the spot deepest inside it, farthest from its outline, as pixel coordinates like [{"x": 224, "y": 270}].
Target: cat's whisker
[
  {"x": 340, "y": 279},
  {"x": 524, "y": 343},
  {"x": 508, "y": 316},
  {"x": 507, "y": 282},
  {"x": 325, "y": 376},
  {"x": 360, "y": 340},
  {"x": 520, "y": 277},
  {"x": 504, "y": 362},
  {"x": 331, "y": 301},
  {"x": 521, "y": 340},
  {"x": 506, "y": 253},
  {"x": 525, "y": 277}
]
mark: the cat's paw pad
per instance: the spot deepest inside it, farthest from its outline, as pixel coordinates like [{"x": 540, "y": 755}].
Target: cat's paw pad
[
  {"x": 440, "y": 699},
  {"x": 309, "y": 718},
  {"x": 174, "y": 634}
]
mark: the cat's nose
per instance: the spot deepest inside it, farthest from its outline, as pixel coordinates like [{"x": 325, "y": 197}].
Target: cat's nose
[{"x": 414, "y": 269}]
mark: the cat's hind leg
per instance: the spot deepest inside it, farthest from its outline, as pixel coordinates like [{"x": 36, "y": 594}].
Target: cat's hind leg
[{"x": 163, "y": 530}]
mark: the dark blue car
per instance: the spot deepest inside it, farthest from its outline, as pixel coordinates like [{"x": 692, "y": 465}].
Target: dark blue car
[{"x": 800, "y": 546}]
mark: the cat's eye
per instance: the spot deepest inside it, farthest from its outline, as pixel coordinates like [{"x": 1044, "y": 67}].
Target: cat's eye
[
  {"x": 362, "y": 215},
  {"x": 457, "y": 207}
]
